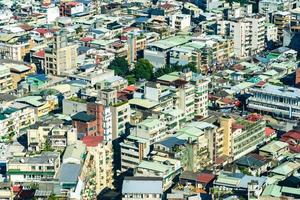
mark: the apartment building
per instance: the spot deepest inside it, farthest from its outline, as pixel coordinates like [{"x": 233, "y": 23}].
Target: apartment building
[
  {"x": 248, "y": 35},
  {"x": 151, "y": 129},
  {"x": 39, "y": 167},
  {"x": 242, "y": 135},
  {"x": 165, "y": 170},
  {"x": 5, "y": 79},
  {"x": 99, "y": 162},
  {"x": 157, "y": 52},
  {"x": 70, "y": 8},
  {"x": 15, "y": 47},
  {"x": 136, "y": 43},
  {"x": 201, "y": 96},
  {"x": 60, "y": 56},
  {"x": 133, "y": 150},
  {"x": 180, "y": 22},
  {"x": 236, "y": 10},
  {"x": 267, "y": 7},
  {"x": 9, "y": 122},
  {"x": 203, "y": 52},
  {"x": 120, "y": 117},
  {"x": 276, "y": 100},
  {"x": 27, "y": 115},
  {"x": 281, "y": 20}
]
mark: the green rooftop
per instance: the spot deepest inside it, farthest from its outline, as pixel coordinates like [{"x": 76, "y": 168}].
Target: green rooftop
[
  {"x": 150, "y": 123},
  {"x": 171, "y": 41},
  {"x": 155, "y": 166}
]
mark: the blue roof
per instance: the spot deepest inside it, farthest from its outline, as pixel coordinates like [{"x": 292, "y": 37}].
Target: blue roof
[
  {"x": 87, "y": 66},
  {"x": 69, "y": 173},
  {"x": 172, "y": 141},
  {"x": 141, "y": 19},
  {"x": 41, "y": 77}
]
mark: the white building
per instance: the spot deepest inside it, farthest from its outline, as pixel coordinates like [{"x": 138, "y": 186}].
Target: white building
[
  {"x": 279, "y": 101},
  {"x": 180, "y": 22},
  {"x": 271, "y": 32},
  {"x": 133, "y": 150},
  {"x": 248, "y": 35}
]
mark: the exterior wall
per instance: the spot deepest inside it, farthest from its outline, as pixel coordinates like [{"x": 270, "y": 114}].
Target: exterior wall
[
  {"x": 5, "y": 80},
  {"x": 88, "y": 128},
  {"x": 120, "y": 116},
  {"x": 72, "y": 107},
  {"x": 97, "y": 110}
]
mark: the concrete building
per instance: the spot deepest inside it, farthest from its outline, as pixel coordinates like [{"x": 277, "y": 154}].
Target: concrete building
[
  {"x": 33, "y": 168},
  {"x": 133, "y": 150},
  {"x": 9, "y": 123},
  {"x": 248, "y": 35},
  {"x": 276, "y": 100},
  {"x": 60, "y": 56},
  {"x": 271, "y": 32},
  {"x": 120, "y": 117},
  {"x": 180, "y": 22},
  {"x": 5, "y": 79},
  {"x": 73, "y": 105},
  {"x": 201, "y": 96},
  {"x": 281, "y": 20},
  {"x": 136, "y": 43},
  {"x": 269, "y": 7},
  {"x": 241, "y": 136},
  {"x": 157, "y": 52},
  {"x": 13, "y": 47},
  {"x": 140, "y": 188},
  {"x": 99, "y": 162},
  {"x": 85, "y": 124}
]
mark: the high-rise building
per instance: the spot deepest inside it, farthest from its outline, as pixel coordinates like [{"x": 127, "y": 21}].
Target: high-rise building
[
  {"x": 248, "y": 35},
  {"x": 120, "y": 117},
  {"x": 60, "y": 56},
  {"x": 281, "y": 21}
]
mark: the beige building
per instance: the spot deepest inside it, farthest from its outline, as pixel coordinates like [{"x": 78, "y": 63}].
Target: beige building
[
  {"x": 99, "y": 164},
  {"x": 60, "y": 56},
  {"x": 13, "y": 47},
  {"x": 281, "y": 20},
  {"x": 120, "y": 117},
  {"x": 241, "y": 136},
  {"x": 5, "y": 79}
]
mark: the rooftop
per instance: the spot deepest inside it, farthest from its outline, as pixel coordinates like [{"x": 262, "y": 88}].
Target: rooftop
[
  {"x": 69, "y": 173},
  {"x": 43, "y": 158},
  {"x": 83, "y": 117},
  {"x": 171, "y": 42},
  {"x": 142, "y": 185},
  {"x": 274, "y": 146}
]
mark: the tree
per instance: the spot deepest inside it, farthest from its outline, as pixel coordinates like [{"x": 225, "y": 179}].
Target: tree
[
  {"x": 143, "y": 69},
  {"x": 120, "y": 66},
  {"x": 131, "y": 79}
]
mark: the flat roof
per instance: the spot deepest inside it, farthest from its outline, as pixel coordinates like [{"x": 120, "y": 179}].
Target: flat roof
[
  {"x": 155, "y": 166},
  {"x": 171, "y": 41},
  {"x": 145, "y": 103}
]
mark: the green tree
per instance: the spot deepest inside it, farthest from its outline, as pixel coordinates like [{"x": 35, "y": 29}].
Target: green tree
[
  {"x": 79, "y": 30},
  {"x": 120, "y": 66},
  {"x": 143, "y": 69},
  {"x": 131, "y": 79}
]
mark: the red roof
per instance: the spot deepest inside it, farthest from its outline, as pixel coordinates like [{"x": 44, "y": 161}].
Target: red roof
[
  {"x": 292, "y": 134},
  {"x": 237, "y": 126},
  {"x": 17, "y": 188},
  {"x": 92, "y": 141},
  {"x": 206, "y": 178},
  {"x": 131, "y": 88},
  {"x": 228, "y": 100},
  {"x": 261, "y": 83},
  {"x": 73, "y": 3},
  {"x": 42, "y": 31},
  {"x": 166, "y": 6},
  {"x": 40, "y": 53},
  {"x": 269, "y": 132},
  {"x": 254, "y": 117},
  {"x": 86, "y": 39},
  {"x": 123, "y": 37}
]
